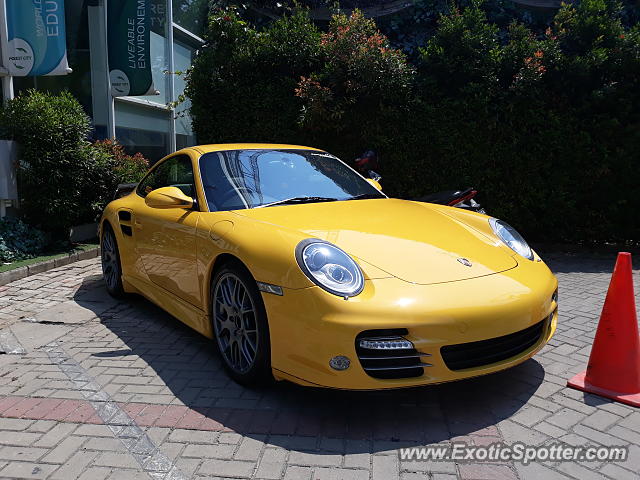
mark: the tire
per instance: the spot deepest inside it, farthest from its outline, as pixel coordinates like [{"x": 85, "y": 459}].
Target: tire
[
  {"x": 240, "y": 326},
  {"x": 111, "y": 266}
]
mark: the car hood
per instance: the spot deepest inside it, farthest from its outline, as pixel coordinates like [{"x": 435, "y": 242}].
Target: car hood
[{"x": 409, "y": 240}]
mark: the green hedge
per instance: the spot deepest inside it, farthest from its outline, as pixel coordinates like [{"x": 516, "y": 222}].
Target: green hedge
[
  {"x": 242, "y": 85},
  {"x": 63, "y": 180},
  {"x": 54, "y": 161},
  {"x": 547, "y": 126}
]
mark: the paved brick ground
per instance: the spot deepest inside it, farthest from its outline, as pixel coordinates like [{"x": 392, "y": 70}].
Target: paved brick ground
[{"x": 121, "y": 390}]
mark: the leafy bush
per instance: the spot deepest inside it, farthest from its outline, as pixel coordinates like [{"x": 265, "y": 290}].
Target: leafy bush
[
  {"x": 54, "y": 163},
  {"x": 545, "y": 122},
  {"x": 463, "y": 54},
  {"x": 63, "y": 180},
  {"x": 111, "y": 165},
  {"x": 546, "y": 126},
  {"x": 18, "y": 241},
  {"x": 125, "y": 168},
  {"x": 242, "y": 81},
  {"x": 361, "y": 88}
]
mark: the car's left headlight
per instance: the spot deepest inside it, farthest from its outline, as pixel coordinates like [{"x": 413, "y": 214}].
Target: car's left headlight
[
  {"x": 511, "y": 238},
  {"x": 329, "y": 267}
]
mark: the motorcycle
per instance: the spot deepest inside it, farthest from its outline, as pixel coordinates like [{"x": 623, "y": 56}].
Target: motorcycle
[{"x": 454, "y": 198}]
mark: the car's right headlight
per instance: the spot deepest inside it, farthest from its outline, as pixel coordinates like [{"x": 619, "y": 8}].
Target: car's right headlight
[
  {"x": 329, "y": 267},
  {"x": 511, "y": 238}
]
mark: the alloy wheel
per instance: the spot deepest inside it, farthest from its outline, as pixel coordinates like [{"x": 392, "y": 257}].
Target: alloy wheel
[
  {"x": 109, "y": 256},
  {"x": 235, "y": 323}
]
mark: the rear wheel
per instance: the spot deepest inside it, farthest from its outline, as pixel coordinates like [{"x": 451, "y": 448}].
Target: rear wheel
[
  {"x": 111, "y": 267},
  {"x": 240, "y": 326}
]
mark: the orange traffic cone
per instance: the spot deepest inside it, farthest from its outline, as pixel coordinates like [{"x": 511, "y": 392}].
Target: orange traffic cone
[{"x": 614, "y": 364}]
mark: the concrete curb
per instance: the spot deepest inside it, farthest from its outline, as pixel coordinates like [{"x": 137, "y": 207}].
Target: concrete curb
[{"x": 27, "y": 271}]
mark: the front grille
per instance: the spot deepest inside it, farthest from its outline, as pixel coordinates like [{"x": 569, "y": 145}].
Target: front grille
[
  {"x": 392, "y": 363},
  {"x": 485, "y": 352}
]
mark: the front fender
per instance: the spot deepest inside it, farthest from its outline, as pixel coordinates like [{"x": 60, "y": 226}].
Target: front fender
[{"x": 268, "y": 251}]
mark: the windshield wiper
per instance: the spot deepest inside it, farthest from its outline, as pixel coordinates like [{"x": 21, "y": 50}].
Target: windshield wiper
[
  {"x": 299, "y": 200},
  {"x": 363, "y": 196}
]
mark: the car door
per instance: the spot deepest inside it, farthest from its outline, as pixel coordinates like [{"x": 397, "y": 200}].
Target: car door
[{"x": 166, "y": 237}]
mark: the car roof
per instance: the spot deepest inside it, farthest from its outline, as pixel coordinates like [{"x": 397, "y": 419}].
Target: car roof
[{"x": 218, "y": 147}]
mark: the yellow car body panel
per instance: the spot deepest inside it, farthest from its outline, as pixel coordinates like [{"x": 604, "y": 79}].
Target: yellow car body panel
[{"x": 408, "y": 251}]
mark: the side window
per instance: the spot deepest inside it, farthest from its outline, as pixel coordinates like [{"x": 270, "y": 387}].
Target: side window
[{"x": 173, "y": 172}]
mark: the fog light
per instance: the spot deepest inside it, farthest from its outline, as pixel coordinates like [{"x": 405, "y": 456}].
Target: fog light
[
  {"x": 386, "y": 344},
  {"x": 340, "y": 362}
]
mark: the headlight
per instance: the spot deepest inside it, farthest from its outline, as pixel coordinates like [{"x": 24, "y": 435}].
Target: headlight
[
  {"x": 329, "y": 267},
  {"x": 511, "y": 238}
]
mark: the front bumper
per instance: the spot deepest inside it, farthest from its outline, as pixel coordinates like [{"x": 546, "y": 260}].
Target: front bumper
[{"x": 310, "y": 326}]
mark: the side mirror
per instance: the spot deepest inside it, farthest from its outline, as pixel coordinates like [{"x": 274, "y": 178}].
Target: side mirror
[
  {"x": 375, "y": 183},
  {"x": 168, "y": 197}
]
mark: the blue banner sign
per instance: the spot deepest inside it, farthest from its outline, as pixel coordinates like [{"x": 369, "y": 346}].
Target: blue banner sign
[{"x": 37, "y": 42}]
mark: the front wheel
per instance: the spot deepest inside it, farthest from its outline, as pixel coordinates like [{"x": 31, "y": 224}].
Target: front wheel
[
  {"x": 240, "y": 326},
  {"x": 111, "y": 267}
]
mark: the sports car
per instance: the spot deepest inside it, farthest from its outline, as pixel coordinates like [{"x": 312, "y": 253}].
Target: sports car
[{"x": 301, "y": 269}]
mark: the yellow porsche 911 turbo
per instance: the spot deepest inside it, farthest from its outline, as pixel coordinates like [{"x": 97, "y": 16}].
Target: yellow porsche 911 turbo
[{"x": 303, "y": 270}]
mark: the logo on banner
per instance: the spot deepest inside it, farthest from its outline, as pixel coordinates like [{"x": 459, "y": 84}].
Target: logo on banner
[
  {"x": 120, "y": 84},
  {"x": 22, "y": 57}
]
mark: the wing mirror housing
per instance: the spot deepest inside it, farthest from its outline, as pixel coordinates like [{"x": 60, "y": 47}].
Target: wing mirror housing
[
  {"x": 168, "y": 197},
  {"x": 375, "y": 183}
]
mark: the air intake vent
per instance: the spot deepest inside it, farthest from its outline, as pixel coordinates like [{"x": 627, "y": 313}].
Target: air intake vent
[
  {"x": 124, "y": 215},
  {"x": 485, "y": 352},
  {"x": 387, "y": 354}
]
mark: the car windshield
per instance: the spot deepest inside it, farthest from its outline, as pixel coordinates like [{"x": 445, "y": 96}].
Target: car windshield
[{"x": 239, "y": 179}]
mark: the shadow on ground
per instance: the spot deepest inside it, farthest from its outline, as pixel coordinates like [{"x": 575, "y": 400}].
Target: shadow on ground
[
  {"x": 370, "y": 421},
  {"x": 602, "y": 262}
]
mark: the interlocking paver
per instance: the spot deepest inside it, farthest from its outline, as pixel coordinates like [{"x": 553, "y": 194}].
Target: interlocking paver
[
  {"x": 385, "y": 467},
  {"x": 168, "y": 380},
  {"x": 41, "y": 426},
  {"x": 14, "y": 424},
  {"x": 11, "y": 453},
  {"x": 65, "y": 449},
  {"x": 530, "y": 415},
  {"x": 116, "y": 460},
  {"x": 485, "y": 471},
  {"x": 27, "y": 470},
  {"x": 250, "y": 449},
  {"x": 298, "y": 473},
  {"x": 437, "y": 476},
  {"x": 190, "y": 436},
  {"x": 95, "y": 473},
  {"x": 209, "y": 451},
  {"x": 342, "y": 474},
  {"x": 23, "y": 439},
  {"x": 227, "y": 468},
  {"x": 104, "y": 444},
  {"x": 619, "y": 473},
  {"x": 306, "y": 458},
  {"x": 74, "y": 466},
  {"x": 272, "y": 463}
]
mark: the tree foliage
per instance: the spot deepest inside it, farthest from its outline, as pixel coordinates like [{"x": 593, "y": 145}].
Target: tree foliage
[{"x": 545, "y": 123}]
